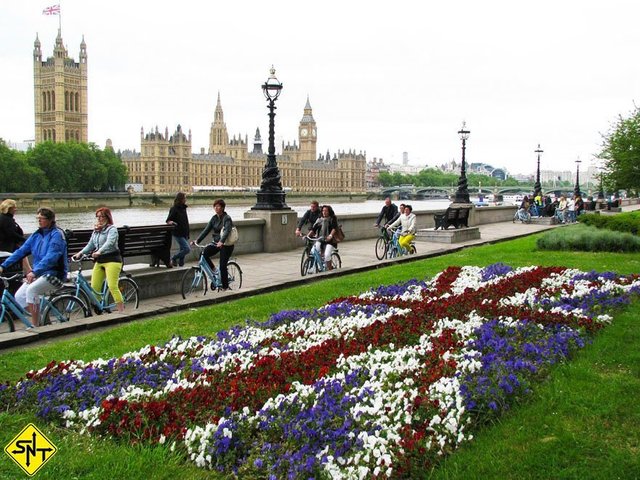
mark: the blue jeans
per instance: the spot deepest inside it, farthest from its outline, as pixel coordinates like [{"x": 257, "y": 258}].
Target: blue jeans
[{"x": 183, "y": 243}]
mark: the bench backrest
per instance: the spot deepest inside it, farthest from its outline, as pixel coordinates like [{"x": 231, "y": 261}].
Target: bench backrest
[
  {"x": 452, "y": 213},
  {"x": 132, "y": 241},
  {"x": 464, "y": 213}
]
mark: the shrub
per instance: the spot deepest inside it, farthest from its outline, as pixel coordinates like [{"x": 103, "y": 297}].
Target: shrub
[
  {"x": 623, "y": 222},
  {"x": 589, "y": 239}
]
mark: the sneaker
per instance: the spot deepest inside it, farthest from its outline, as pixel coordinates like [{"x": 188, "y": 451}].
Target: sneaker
[{"x": 213, "y": 286}]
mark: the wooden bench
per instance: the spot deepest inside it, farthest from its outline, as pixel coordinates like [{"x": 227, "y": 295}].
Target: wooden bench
[
  {"x": 148, "y": 240},
  {"x": 456, "y": 217}
]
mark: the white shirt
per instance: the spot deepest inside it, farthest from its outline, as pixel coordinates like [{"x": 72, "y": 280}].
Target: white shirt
[{"x": 408, "y": 223}]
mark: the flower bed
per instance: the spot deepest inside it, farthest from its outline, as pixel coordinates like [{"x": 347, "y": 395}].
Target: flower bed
[{"x": 374, "y": 385}]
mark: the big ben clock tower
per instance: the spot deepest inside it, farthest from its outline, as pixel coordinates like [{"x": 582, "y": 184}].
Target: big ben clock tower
[{"x": 307, "y": 134}]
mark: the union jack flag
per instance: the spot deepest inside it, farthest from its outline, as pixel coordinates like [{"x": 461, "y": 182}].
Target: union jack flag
[{"x": 52, "y": 10}]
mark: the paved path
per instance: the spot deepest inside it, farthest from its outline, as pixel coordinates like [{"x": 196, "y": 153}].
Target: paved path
[{"x": 263, "y": 272}]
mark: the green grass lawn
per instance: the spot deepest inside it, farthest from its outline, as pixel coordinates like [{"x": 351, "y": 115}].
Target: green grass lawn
[{"x": 584, "y": 422}]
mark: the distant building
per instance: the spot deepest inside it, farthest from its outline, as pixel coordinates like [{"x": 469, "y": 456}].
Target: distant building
[
  {"x": 166, "y": 162},
  {"x": 476, "y": 167},
  {"x": 60, "y": 94},
  {"x": 374, "y": 169}
]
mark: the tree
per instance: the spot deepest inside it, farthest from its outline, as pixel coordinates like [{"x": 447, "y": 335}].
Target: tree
[
  {"x": 17, "y": 175},
  {"x": 621, "y": 152}
]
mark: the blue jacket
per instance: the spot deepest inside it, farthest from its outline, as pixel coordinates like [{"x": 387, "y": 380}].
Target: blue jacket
[{"x": 48, "y": 250}]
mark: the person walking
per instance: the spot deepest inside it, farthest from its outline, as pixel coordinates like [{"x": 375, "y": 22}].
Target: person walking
[
  {"x": 309, "y": 217},
  {"x": 388, "y": 213},
  {"x": 221, "y": 225},
  {"x": 48, "y": 249},
  {"x": 103, "y": 247},
  {"x": 11, "y": 237},
  {"x": 179, "y": 218}
]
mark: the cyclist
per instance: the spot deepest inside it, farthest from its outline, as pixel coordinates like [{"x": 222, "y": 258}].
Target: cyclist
[
  {"x": 310, "y": 217},
  {"x": 221, "y": 225},
  {"x": 408, "y": 222},
  {"x": 388, "y": 213},
  {"x": 103, "y": 247},
  {"x": 48, "y": 249},
  {"x": 325, "y": 229}
]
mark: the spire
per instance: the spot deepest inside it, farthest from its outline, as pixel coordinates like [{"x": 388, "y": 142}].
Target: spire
[
  {"x": 308, "y": 113},
  {"x": 37, "y": 52}
]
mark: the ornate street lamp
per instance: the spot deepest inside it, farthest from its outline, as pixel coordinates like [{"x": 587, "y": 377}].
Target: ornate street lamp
[
  {"x": 537, "y": 188},
  {"x": 462, "y": 195},
  {"x": 271, "y": 196},
  {"x": 576, "y": 190}
]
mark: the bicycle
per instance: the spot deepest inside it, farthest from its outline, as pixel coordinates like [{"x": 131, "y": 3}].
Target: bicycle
[
  {"x": 395, "y": 249},
  {"x": 103, "y": 302},
  {"x": 57, "y": 307},
  {"x": 315, "y": 263},
  {"x": 199, "y": 278},
  {"x": 308, "y": 245},
  {"x": 382, "y": 244}
]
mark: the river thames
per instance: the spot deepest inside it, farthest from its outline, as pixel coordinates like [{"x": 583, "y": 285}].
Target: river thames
[{"x": 202, "y": 213}]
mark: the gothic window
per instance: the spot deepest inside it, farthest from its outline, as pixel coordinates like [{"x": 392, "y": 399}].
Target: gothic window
[
  {"x": 77, "y": 95},
  {"x": 44, "y": 101},
  {"x": 66, "y": 101},
  {"x": 53, "y": 103}
]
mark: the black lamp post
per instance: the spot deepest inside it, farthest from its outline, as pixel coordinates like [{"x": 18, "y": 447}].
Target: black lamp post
[
  {"x": 462, "y": 194},
  {"x": 576, "y": 190},
  {"x": 271, "y": 196},
  {"x": 537, "y": 188}
]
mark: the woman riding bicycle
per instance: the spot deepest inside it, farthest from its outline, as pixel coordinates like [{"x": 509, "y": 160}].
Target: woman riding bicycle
[
  {"x": 325, "y": 229},
  {"x": 221, "y": 225},
  {"x": 408, "y": 222},
  {"x": 103, "y": 247},
  {"x": 48, "y": 249}
]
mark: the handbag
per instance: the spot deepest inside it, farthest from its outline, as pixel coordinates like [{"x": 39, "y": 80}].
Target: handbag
[
  {"x": 339, "y": 235},
  {"x": 233, "y": 237}
]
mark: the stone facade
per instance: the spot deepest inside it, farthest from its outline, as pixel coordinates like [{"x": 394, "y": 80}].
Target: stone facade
[
  {"x": 166, "y": 163},
  {"x": 60, "y": 94}
]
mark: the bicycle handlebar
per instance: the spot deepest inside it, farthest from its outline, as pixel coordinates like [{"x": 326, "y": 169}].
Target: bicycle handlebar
[
  {"x": 83, "y": 258},
  {"x": 6, "y": 280}
]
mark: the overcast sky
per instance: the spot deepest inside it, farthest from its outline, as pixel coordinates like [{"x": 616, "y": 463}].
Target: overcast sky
[{"x": 382, "y": 77}]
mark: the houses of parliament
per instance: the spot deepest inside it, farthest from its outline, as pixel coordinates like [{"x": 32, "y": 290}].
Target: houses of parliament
[{"x": 166, "y": 163}]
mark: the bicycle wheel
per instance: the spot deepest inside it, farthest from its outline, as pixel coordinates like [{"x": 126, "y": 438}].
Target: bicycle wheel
[
  {"x": 381, "y": 248},
  {"x": 194, "y": 283},
  {"x": 63, "y": 308},
  {"x": 8, "y": 317},
  {"x": 412, "y": 249},
  {"x": 130, "y": 293},
  {"x": 306, "y": 268},
  {"x": 336, "y": 261},
  {"x": 235, "y": 275},
  {"x": 303, "y": 262}
]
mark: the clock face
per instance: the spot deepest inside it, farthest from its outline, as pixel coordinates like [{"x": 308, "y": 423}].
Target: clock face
[
  {"x": 314, "y": 132},
  {"x": 304, "y": 132}
]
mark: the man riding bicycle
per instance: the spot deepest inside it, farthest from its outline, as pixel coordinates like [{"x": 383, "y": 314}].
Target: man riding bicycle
[
  {"x": 310, "y": 217},
  {"x": 388, "y": 213}
]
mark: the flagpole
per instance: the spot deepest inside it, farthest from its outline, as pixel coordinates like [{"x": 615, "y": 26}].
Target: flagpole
[{"x": 60, "y": 16}]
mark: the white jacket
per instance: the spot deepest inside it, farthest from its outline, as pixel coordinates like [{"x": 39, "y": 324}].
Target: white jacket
[{"x": 408, "y": 223}]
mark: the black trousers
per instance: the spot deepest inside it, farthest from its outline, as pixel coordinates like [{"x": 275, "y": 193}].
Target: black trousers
[{"x": 225, "y": 254}]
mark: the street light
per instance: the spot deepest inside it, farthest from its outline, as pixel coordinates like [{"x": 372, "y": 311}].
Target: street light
[
  {"x": 576, "y": 190},
  {"x": 462, "y": 195},
  {"x": 271, "y": 196},
  {"x": 537, "y": 188}
]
